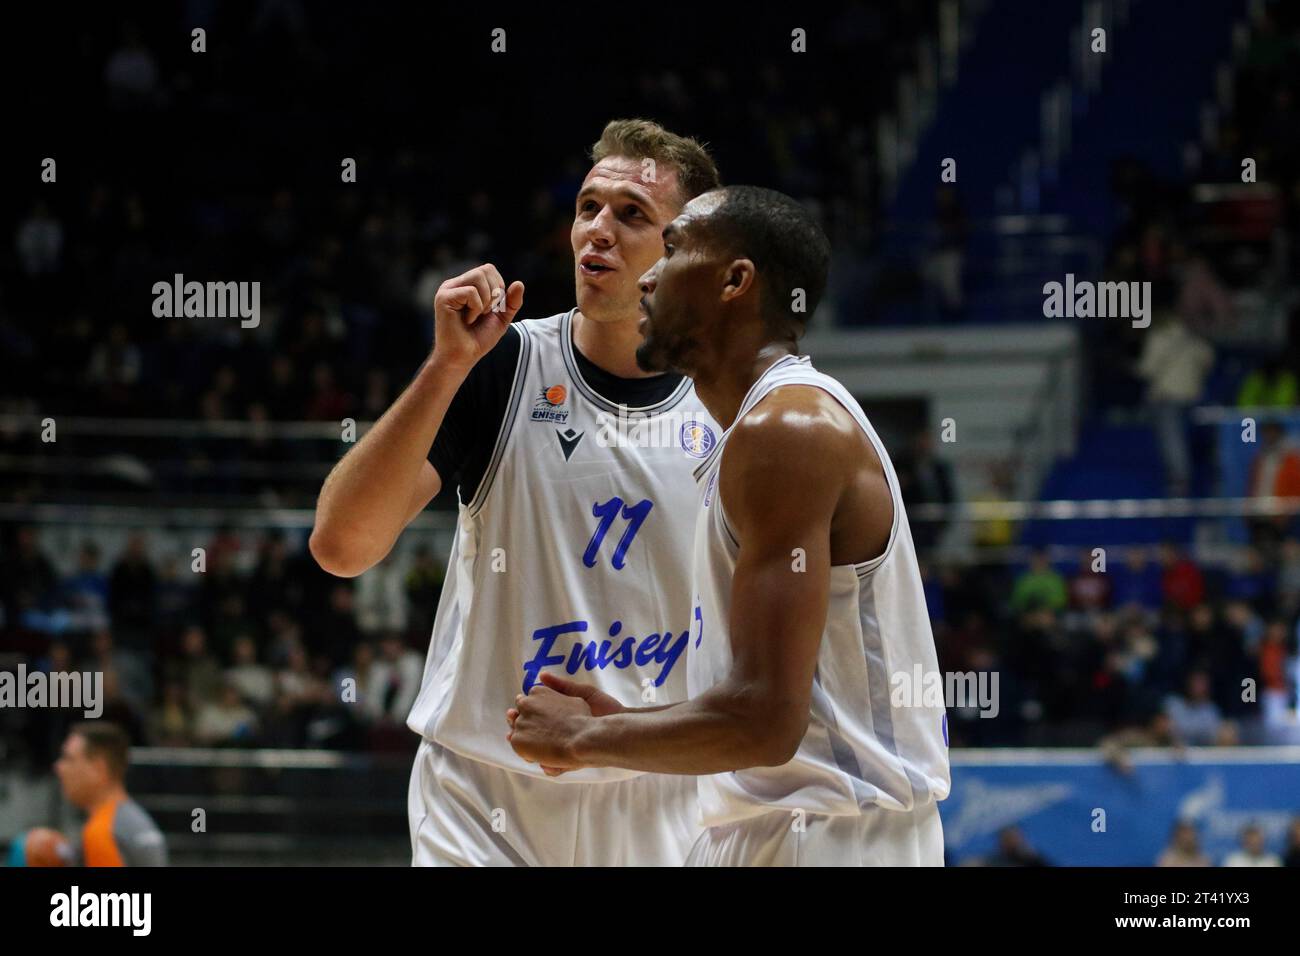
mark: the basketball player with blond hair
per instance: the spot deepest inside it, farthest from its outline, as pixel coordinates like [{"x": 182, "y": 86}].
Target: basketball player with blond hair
[{"x": 572, "y": 546}]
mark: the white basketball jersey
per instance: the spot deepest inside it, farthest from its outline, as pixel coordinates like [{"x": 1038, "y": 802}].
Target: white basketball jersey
[
  {"x": 858, "y": 749},
  {"x": 573, "y": 556}
]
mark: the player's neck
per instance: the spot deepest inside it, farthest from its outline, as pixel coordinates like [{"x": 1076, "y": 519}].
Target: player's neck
[
  {"x": 610, "y": 345},
  {"x": 722, "y": 386},
  {"x": 112, "y": 795}
]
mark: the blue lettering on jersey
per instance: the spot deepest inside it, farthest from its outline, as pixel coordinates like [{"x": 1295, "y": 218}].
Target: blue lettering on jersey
[
  {"x": 663, "y": 649},
  {"x": 607, "y": 511}
]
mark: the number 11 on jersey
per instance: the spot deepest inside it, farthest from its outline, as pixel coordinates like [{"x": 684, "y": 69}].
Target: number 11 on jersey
[{"x": 607, "y": 511}]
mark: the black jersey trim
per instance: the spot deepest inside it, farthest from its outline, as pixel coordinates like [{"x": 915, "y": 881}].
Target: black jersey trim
[
  {"x": 571, "y": 366},
  {"x": 507, "y": 422}
]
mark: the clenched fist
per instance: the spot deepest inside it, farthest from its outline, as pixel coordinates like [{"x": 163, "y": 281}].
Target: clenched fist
[
  {"x": 471, "y": 313},
  {"x": 545, "y": 724}
]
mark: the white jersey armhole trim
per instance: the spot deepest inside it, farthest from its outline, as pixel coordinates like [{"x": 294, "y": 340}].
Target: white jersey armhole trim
[
  {"x": 722, "y": 513},
  {"x": 864, "y": 568},
  {"x": 507, "y": 422}
]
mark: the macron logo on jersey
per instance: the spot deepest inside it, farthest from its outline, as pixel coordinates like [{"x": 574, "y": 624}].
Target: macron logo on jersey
[
  {"x": 568, "y": 441},
  {"x": 662, "y": 649}
]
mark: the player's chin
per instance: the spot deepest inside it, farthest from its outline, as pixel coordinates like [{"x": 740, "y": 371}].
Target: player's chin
[
  {"x": 608, "y": 303},
  {"x": 650, "y": 358},
  {"x": 593, "y": 299}
]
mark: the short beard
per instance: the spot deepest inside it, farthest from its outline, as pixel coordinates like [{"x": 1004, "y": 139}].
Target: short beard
[
  {"x": 656, "y": 355},
  {"x": 649, "y": 358}
]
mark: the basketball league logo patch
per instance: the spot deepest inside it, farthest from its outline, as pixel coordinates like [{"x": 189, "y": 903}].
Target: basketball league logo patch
[{"x": 697, "y": 439}]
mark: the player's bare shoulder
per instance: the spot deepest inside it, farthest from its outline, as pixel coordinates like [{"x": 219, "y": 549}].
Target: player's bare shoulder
[
  {"x": 791, "y": 449},
  {"x": 800, "y": 426},
  {"x": 799, "y": 443}
]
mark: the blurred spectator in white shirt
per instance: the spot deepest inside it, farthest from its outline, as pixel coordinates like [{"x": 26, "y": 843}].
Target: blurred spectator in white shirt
[
  {"x": 1175, "y": 364},
  {"x": 254, "y": 681},
  {"x": 1184, "y": 848},
  {"x": 1252, "y": 852},
  {"x": 381, "y": 604},
  {"x": 225, "y": 720}
]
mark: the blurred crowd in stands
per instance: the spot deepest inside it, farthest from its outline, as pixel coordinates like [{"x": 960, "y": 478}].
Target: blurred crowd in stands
[
  {"x": 264, "y": 648},
  {"x": 260, "y": 648},
  {"x": 348, "y": 270},
  {"x": 1131, "y": 646},
  {"x": 1218, "y": 255},
  {"x": 1137, "y": 647}
]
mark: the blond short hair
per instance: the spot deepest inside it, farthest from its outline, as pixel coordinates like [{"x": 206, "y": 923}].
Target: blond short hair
[{"x": 646, "y": 139}]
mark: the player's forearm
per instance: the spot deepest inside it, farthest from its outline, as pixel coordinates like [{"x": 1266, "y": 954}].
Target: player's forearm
[
  {"x": 719, "y": 731},
  {"x": 649, "y": 710},
  {"x": 366, "y": 500}
]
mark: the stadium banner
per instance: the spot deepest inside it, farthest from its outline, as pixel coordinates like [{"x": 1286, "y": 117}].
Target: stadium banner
[{"x": 1076, "y": 809}]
